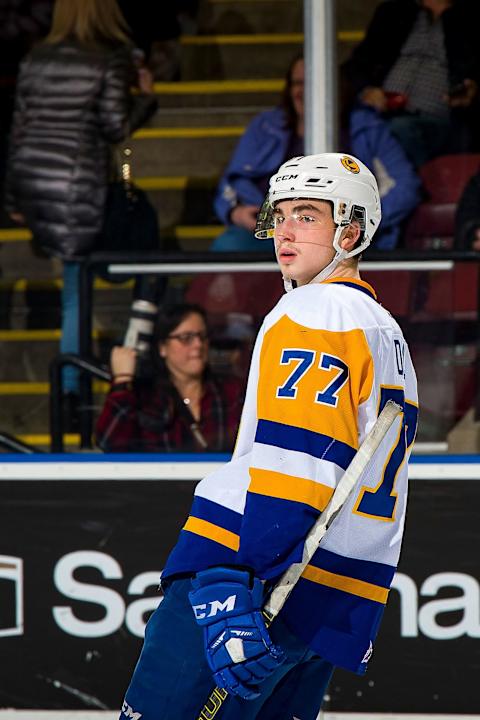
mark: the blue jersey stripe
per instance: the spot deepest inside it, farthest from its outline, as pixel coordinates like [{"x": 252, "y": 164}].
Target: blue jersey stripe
[
  {"x": 305, "y": 441},
  {"x": 366, "y": 570},
  {"x": 193, "y": 553},
  {"x": 216, "y": 514},
  {"x": 267, "y": 524},
  {"x": 346, "y": 646}
]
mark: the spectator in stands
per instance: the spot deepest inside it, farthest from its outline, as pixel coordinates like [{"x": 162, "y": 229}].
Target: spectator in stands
[
  {"x": 467, "y": 218},
  {"x": 73, "y": 101},
  {"x": 271, "y": 138},
  {"x": 22, "y": 24},
  {"x": 399, "y": 185},
  {"x": 275, "y": 135},
  {"x": 418, "y": 64},
  {"x": 184, "y": 408}
]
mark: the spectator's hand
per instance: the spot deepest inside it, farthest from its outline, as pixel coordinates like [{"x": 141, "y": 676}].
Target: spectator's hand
[
  {"x": 464, "y": 95},
  {"x": 122, "y": 362},
  {"x": 245, "y": 216},
  {"x": 145, "y": 80},
  {"x": 374, "y": 97},
  {"x": 18, "y": 218},
  {"x": 476, "y": 240}
]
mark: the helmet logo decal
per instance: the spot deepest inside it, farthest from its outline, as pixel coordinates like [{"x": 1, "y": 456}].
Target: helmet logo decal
[{"x": 350, "y": 164}]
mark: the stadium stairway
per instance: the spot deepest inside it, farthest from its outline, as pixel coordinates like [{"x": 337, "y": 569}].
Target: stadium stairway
[{"x": 231, "y": 69}]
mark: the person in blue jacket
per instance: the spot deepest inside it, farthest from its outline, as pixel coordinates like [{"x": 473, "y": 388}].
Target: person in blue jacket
[
  {"x": 372, "y": 141},
  {"x": 276, "y": 135},
  {"x": 271, "y": 138}
]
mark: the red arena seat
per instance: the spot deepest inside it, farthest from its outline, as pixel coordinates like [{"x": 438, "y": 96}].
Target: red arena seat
[{"x": 444, "y": 178}]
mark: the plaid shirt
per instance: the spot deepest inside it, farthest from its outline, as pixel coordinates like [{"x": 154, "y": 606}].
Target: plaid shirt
[
  {"x": 151, "y": 419},
  {"x": 421, "y": 71}
]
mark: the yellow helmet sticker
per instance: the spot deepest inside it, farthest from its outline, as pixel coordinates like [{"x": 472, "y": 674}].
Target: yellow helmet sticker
[{"x": 350, "y": 164}]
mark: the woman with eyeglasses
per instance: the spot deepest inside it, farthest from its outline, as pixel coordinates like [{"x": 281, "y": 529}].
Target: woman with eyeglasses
[{"x": 184, "y": 408}]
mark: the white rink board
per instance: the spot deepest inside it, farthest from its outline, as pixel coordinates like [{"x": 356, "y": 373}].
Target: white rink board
[{"x": 113, "y": 715}]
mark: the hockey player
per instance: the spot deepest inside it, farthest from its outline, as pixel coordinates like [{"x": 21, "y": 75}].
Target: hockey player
[{"x": 326, "y": 360}]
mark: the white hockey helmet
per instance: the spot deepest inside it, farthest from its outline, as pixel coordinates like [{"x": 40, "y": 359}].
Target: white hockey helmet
[{"x": 336, "y": 177}]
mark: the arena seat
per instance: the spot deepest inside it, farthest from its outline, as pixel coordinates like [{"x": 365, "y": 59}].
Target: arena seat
[
  {"x": 393, "y": 289},
  {"x": 432, "y": 225},
  {"x": 253, "y": 293}
]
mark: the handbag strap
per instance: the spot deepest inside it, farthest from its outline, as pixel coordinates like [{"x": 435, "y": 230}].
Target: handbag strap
[{"x": 192, "y": 424}]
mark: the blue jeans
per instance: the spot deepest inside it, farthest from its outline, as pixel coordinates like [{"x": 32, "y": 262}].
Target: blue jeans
[
  {"x": 421, "y": 135},
  {"x": 172, "y": 680},
  {"x": 69, "y": 342}
]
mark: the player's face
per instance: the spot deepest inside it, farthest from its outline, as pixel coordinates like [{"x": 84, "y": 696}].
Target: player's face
[
  {"x": 185, "y": 351},
  {"x": 304, "y": 231}
]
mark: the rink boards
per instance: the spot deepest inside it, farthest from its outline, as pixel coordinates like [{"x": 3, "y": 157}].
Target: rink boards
[{"x": 82, "y": 543}]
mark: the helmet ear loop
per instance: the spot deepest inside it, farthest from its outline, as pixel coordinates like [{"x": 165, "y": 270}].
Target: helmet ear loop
[
  {"x": 365, "y": 242},
  {"x": 336, "y": 241}
]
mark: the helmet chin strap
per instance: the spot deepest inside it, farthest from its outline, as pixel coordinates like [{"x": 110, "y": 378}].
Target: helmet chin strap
[{"x": 340, "y": 254}]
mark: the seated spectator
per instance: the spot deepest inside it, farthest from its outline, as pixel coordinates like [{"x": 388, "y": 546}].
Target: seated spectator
[
  {"x": 271, "y": 138},
  {"x": 399, "y": 185},
  {"x": 467, "y": 218},
  {"x": 418, "y": 66},
  {"x": 184, "y": 407}
]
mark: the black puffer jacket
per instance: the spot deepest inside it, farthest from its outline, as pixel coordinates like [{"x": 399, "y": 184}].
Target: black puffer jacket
[{"x": 72, "y": 103}]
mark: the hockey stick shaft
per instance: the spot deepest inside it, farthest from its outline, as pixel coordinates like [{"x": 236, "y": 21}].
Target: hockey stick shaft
[
  {"x": 288, "y": 580},
  {"x": 347, "y": 482}
]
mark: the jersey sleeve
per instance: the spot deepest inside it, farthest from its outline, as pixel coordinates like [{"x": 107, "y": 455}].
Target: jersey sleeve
[{"x": 311, "y": 382}]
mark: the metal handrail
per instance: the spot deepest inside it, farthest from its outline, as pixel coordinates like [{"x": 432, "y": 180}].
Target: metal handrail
[
  {"x": 17, "y": 446},
  {"x": 161, "y": 263},
  {"x": 88, "y": 368}
]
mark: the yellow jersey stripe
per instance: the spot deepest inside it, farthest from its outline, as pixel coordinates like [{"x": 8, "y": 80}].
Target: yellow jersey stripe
[
  {"x": 347, "y": 584},
  {"x": 289, "y": 487},
  {"x": 212, "y": 532}
]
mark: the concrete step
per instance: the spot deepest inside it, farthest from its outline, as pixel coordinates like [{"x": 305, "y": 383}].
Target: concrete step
[
  {"x": 224, "y": 17},
  {"x": 15, "y": 244},
  {"x": 39, "y": 312},
  {"x": 42, "y": 441},
  {"x": 261, "y": 16},
  {"x": 200, "y": 117},
  {"x": 238, "y": 57},
  {"x": 25, "y": 355},
  {"x": 196, "y": 153},
  {"x": 182, "y": 200},
  {"x": 211, "y": 93},
  {"x": 26, "y": 411}
]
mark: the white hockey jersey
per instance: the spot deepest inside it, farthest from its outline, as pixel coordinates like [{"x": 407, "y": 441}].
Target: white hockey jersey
[{"x": 326, "y": 360}]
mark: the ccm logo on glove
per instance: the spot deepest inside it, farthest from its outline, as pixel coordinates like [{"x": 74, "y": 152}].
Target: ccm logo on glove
[
  {"x": 227, "y": 603},
  {"x": 215, "y": 607}
]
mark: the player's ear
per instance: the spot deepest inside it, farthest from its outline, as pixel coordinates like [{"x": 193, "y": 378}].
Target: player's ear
[{"x": 350, "y": 236}]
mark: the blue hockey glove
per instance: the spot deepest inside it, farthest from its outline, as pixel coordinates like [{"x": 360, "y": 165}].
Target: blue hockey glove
[{"x": 238, "y": 647}]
